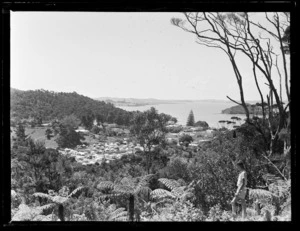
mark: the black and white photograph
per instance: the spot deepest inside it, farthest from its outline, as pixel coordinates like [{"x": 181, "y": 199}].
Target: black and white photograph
[{"x": 150, "y": 116}]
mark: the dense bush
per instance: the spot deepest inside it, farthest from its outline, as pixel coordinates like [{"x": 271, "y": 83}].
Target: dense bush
[
  {"x": 186, "y": 139},
  {"x": 201, "y": 124},
  {"x": 187, "y": 184},
  {"x": 96, "y": 129}
]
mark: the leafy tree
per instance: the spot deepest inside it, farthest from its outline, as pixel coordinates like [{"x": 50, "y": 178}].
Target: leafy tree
[
  {"x": 70, "y": 121},
  {"x": 68, "y": 137},
  {"x": 177, "y": 168},
  {"x": 240, "y": 33},
  {"x": 88, "y": 121},
  {"x": 95, "y": 129},
  {"x": 201, "y": 124},
  {"x": 191, "y": 119},
  {"x": 20, "y": 132},
  {"x": 186, "y": 139},
  {"x": 174, "y": 120},
  {"x": 149, "y": 128},
  {"x": 36, "y": 168}
]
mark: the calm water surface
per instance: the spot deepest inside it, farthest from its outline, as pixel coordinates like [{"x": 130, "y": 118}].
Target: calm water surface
[{"x": 204, "y": 111}]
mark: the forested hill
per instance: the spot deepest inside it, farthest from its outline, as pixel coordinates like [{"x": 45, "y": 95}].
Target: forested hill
[
  {"x": 238, "y": 109},
  {"x": 49, "y": 105}
]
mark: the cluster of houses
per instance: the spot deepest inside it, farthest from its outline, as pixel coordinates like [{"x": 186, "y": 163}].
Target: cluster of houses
[
  {"x": 199, "y": 134},
  {"x": 101, "y": 152},
  {"x": 106, "y": 152}
]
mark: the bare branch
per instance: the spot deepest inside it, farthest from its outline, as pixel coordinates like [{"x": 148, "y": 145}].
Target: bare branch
[{"x": 234, "y": 101}]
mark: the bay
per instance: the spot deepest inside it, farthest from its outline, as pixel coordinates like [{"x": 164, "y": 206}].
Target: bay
[{"x": 208, "y": 111}]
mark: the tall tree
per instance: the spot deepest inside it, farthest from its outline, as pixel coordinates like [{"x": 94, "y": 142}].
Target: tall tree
[
  {"x": 149, "y": 128},
  {"x": 240, "y": 33},
  {"x": 191, "y": 119},
  {"x": 20, "y": 133},
  {"x": 130, "y": 188},
  {"x": 68, "y": 137}
]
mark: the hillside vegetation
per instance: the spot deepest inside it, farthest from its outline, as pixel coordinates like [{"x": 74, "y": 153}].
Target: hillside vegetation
[
  {"x": 238, "y": 109},
  {"x": 42, "y": 105},
  {"x": 150, "y": 180}
]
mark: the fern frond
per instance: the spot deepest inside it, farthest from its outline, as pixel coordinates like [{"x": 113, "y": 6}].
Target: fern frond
[
  {"x": 64, "y": 191},
  {"x": 42, "y": 195},
  {"x": 122, "y": 218},
  {"x": 171, "y": 184},
  {"x": 111, "y": 208},
  {"x": 270, "y": 178},
  {"x": 26, "y": 213},
  {"x": 59, "y": 199},
  {"x": 48, "y": 206},
  {"x": 123, "y": 189},
  {"x": 144, "y": 180},
  {"x": 127, "y": 181},
  {"x": 178, "y": 192},
  {"x": 105, "y": 185},
  {"x": 261, "y": 194},
  {"x": 142, "y": 190},
  {"x": 286, "y": 204},
  {"x": 110, "y": 195},
  {"x": 75, "y": 191},
  {"x": 117, "y": 214},
  {"x": 280, "y": 188},
  {"x": 161, "y": 193}
]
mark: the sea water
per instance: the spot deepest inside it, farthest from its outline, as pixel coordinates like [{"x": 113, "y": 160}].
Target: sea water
[{"x": 208, "y": 111}]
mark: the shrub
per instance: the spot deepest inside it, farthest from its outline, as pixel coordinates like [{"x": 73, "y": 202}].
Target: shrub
[
  {"x": 217, "y": 214},
  {"x": 95, "y": 129},
  {"x": 174, "y": 129},
  {"x": 177, "y": 168},
  {"x": 201, "y": 124},
  {"x": 186, "y": 139}
]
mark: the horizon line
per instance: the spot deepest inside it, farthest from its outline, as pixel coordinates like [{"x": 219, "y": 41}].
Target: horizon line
[{"x": 149, "y": 98}]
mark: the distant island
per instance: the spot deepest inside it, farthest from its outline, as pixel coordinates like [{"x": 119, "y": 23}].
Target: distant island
[{"x": 238, "y": 109}]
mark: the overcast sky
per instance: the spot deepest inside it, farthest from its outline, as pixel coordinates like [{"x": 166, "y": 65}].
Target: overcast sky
[{"x": 129, "y": 55}]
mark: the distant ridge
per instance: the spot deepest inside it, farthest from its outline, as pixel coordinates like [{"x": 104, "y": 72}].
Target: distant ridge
[{"x": 118, "y": 101}]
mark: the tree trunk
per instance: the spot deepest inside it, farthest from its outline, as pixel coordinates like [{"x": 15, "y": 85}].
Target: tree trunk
[
  {"x": 61, "y": 214},
  {"x": 131, "y": 207}
]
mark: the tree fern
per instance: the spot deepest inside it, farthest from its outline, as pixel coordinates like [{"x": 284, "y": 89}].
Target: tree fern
[
  {"x": 48, "y": 206},
  {"x": 131, "y": 188},
  {"x": 74, "y": 192},
  {"x": 59, "y": 199},
  {"x": 142, "y": 190},
  {"x": 261, "y": 194},
  {"x": 274, "y": 198},
  {"x": 117, "y": 214},
  {"x": 171, "y": 184},
  {"x": 43, "y": 195},
  {"x": 270, "y": 178},
  {"x": 177, "y": 191},
  {"x": 161, "y": 193},
  {"x": 106, "y": 185}
]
